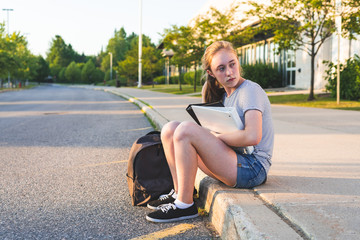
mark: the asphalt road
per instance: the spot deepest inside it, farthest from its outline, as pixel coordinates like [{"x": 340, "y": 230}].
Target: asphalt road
[{"x": 63, "y": 159}]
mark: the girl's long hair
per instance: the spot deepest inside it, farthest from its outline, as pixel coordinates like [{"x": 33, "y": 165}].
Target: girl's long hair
[{"x": 213, "y": 91}]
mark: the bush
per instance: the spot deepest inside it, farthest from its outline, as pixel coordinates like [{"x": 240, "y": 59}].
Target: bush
[
  {"x": 349, "y": 79},
  {"x": 265, "y": 75},
  {"x": 123, "y": 81},
  {"x": 73, "y": 73},
  {"x": 172, "y": 80},
  {"x": 189, "y": 77},
  {"x": 160, "y": 80},
  {"x": 61, "y": 76},
  {"x": 107, "y": 75},
  {"x": 98, "y": 76}
]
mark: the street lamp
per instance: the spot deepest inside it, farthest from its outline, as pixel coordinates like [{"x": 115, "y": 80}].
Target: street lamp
[
  {"x": 338, "y": 30},
  {"x": 8, "y": 28},
  {"x": 140, "y": 43},
  {"x": 110, "y": 65},
  {"x": 8, "y": 10},
  {"x": 168, "y": 54}
]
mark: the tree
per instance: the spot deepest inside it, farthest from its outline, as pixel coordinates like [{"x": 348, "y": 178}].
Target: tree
[
  {"x": 216, "y": 25},
  {"x": 60, "y": 55},
  {"x": 73, "y": 73},
  {"x": 7, "y": 48},
  {"x": 305, "y": 24},
  {"x": 151, "y": 63},
  {"x": 350, "y": 18},
  {"x": 61, "y": 76},
  {"x": 87, "y": 72},
  {"x": 197, "y": 45},
  {"x": 178, "y": 39},
  {"x": 128, "y": 68},
  {"x": 97, "y": 75},
  {"x": 15, "y": 58},
  {"x": 118, "y": 46},
  {"x": 24, "y": 59},
  {"x": 42, "y": 69},
  {"x": 189, "y": 42}
]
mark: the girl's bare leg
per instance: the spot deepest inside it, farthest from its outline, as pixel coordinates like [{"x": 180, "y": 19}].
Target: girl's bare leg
[
  {"x": 191, "y": 141},
  {"x": 167, "y": 134}
]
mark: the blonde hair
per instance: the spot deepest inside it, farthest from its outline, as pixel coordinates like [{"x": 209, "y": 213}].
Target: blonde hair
[{"x": 213, "y": 90}]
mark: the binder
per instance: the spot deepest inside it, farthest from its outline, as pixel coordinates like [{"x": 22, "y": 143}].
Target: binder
[
  {"x": 217, "y": 118},
  {"x": 190, "y": 110}
]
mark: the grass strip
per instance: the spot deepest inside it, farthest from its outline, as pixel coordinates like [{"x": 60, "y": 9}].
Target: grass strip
[
  {"x": 321, "y": 101},
  {"x": 173, "y": 88}
]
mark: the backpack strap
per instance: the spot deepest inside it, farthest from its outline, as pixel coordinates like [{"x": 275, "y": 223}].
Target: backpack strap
[{"x": 153, "y": 132}]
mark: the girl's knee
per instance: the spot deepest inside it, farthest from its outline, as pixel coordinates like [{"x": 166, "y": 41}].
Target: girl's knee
[
  {"x": 168, "y": 130},
  {"x": 184, "y": 130}
]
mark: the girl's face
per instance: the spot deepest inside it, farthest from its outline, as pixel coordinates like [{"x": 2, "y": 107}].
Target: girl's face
[{"x": 225, "y": 67}]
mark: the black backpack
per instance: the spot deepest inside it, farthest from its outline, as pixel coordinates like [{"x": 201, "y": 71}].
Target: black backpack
[{"x": 148, "y": 174}]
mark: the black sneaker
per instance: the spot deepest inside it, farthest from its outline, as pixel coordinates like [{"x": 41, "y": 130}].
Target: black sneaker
[
  {"x": 163, "y": 199},
  {"x": 170, "y": 213}
]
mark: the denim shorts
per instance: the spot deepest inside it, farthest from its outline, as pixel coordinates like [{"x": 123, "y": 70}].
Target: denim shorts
[{"x": 250, "y": 172}]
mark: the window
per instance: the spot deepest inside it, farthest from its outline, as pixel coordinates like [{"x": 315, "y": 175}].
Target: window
[{"x": 290, "y": 68}]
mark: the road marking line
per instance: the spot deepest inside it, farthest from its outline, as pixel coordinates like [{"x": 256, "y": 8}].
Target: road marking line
[
  {"x": 166, "y": 232},
  {"x": 137, "y": 129},
  {"x": 92, "y": 112},
  {"x": 61, "y": 102}
]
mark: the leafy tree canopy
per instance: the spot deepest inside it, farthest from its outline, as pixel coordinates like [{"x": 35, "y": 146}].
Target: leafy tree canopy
[
  {"x": 60, "y": 54},
  {"x": 73, "y": 73},
  {"x": 151, "y": 60},
  {"x": 15, "y": 57},
  {"x": 304, "y": 24},
  {"x": 87, "y": 72}
]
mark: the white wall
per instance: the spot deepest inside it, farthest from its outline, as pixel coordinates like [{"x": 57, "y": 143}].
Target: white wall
[
  {"x": 328, "y": 52},
  {"x": 302, "y": 80}
]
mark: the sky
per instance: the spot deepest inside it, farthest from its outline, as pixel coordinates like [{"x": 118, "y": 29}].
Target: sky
[{"x": 88, "y": 24}]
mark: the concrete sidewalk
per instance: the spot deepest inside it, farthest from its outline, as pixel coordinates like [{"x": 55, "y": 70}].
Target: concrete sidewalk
[{"x": 313, "y": 187}]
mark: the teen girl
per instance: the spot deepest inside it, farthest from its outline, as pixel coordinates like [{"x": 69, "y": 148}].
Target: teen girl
[{"x": 188, "y": 146}]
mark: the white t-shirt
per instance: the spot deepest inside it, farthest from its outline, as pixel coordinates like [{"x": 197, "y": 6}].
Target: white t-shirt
[{"x": 250, "y": 96}]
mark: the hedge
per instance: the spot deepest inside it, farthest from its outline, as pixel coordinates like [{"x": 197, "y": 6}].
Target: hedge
[
  {"x": 349, "y": 79},
  {"x": 265, "y": 75},
  {"x": 189, "y": 77}
]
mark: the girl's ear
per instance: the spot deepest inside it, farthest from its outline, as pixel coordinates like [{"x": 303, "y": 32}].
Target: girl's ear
[{"x": 210, "y": 73}]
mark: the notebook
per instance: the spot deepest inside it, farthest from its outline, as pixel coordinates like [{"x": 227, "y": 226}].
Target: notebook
[{"x": 218, "y": 119}]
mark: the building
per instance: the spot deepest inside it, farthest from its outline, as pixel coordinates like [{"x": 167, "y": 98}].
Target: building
[{"x": 294, "y": 65}]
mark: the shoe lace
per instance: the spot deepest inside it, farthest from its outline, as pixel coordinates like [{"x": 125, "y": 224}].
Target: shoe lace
[
  {"x": 166, "y": 196},
  {"x": 167, "y": 207}
]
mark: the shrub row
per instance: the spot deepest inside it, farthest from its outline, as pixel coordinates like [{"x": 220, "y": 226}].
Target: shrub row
[
  {"x": 265, "y": 75},
  {"x": 186, "y": 78},
  {"x": 349, "y": 79}
]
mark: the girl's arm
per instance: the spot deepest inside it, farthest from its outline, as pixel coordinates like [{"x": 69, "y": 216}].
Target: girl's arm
[{"x": 250, "y": 136}]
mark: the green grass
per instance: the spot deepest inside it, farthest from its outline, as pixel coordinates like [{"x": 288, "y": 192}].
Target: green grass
[
  {"x": 173, "y": 88},
  {"x": 107, "y": 83},
  {"x": 300, "y": 100}
]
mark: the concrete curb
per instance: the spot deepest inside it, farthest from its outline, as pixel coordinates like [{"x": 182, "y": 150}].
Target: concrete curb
[{"x": 241, "y": 213}]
